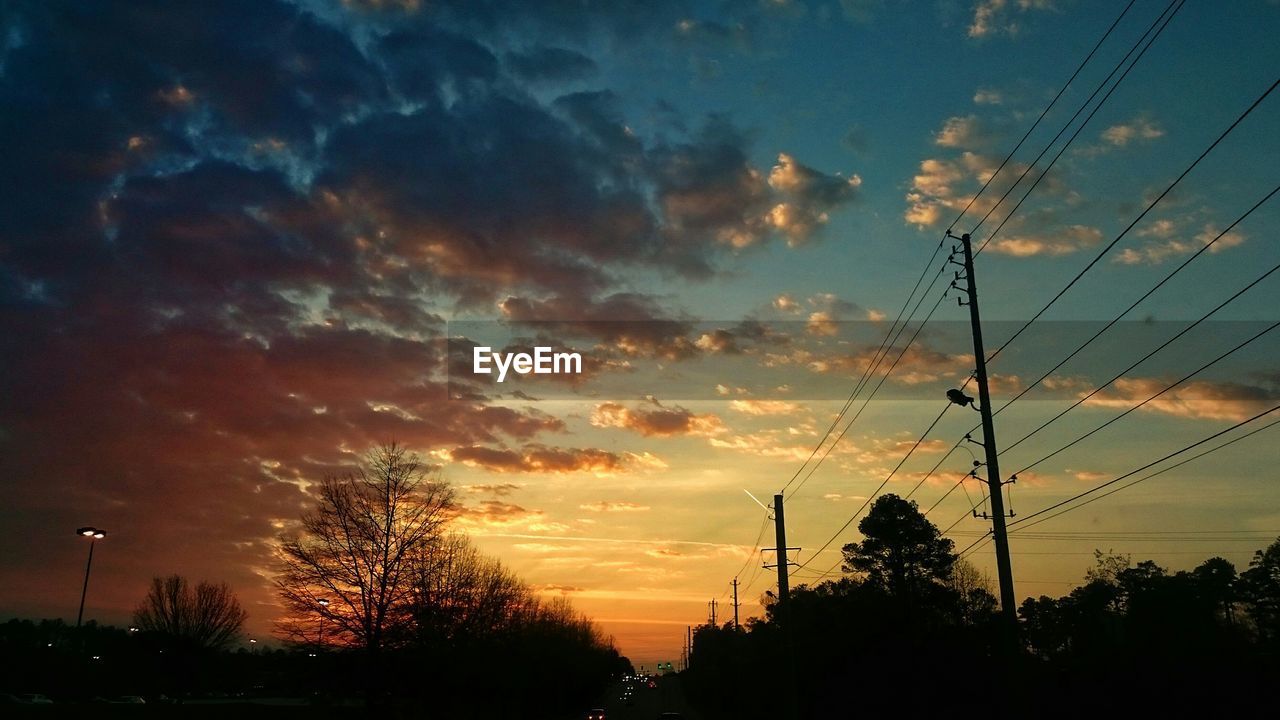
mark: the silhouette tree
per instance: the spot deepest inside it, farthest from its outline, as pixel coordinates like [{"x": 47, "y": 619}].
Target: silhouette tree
[
  {"x": 1107, "y": 567},
  {"x": 356, "y": 552},
  {"x": 1260, "y": 590},
  {"x": 974, "y": 592},
  {"x": 461, "y": 595},
  {"x": 901, "y": 552},
  {"x": 1216, "y": 581},
  {"x": 203, "y": 617}
]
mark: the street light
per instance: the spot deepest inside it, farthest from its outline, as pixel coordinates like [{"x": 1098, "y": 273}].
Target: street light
[
  {"x": 324, "y": 604},
  {"x": 94, "y": 535}
]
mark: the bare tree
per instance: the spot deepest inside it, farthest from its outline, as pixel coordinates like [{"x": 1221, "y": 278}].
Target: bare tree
[
  {"x": 460, "y": 593},
  {"x": 347, "y": 578},
  {"x": 974, "y": 591},
  {"x": 206, "y": 616}
]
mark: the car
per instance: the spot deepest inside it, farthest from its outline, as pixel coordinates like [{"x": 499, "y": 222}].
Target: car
[{"x": 595, "y": 714}]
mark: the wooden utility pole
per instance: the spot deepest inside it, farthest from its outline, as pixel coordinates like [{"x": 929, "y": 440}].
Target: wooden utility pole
[
  {"x": 1004, "y": 569},
  {"x": 735, "y": 603},
  {"x": 782, "y": 613},
  {"x": 780, "y": 534}
]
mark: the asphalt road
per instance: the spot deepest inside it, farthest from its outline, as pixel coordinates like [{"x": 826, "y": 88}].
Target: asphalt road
[{"x": 647, "y": 703}]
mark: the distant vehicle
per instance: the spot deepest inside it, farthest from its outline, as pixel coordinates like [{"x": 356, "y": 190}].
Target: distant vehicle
[
  {"x": 596, "y": 714},
  {"x": 34, "y": 699},
  {"x": 129, "y": 700}
]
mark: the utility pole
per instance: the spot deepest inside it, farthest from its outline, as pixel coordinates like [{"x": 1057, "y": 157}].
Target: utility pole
[
  {"x": 712, "y": 616},
  {"x": 684, "y": 654},
  {"x": 688, "y": 643},
  {"x": 1008, "y": 601},
  {"x": 788, "y": 689},
  {"x": 780, "y": 534},
  {"x": 735, "y": 603}
]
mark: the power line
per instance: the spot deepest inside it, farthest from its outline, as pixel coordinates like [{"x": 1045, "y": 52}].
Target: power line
[
  {"x": 1043, "y": 113},
  {"x": 1204, "y": 248},
  {"x": 754, "y": 546},
  {"x": 974, "y": 546},
  {"x": 870, "y": 497},
  {"x": 881, "y": 351},
  {"x": 1134, "y": 223},
  {"x": 1131, "y": 473},
  {"x": 1184, "y": 378},
  {"x": 1079, "y": 129},
  {"x": 1115, "y": 320},
  {"x": 876, "y": 389},
  {"x": 981, "y": 541},
  {"x": 1176, "y": 538},
  {"x": 935, "y": 467},
  {"x": 878, "y": 358},
  {"x": 878, "y": 489},
  {"x": 1154, "y": 474},
  {"x": 1116, "y": 240},
  {"x": 947, "y": 494}
]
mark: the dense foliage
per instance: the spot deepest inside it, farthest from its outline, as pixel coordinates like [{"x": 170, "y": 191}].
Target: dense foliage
[{"x": 913, "y": 627}]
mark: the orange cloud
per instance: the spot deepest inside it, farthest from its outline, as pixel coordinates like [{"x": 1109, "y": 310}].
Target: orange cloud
[
  {"x": 1202, "y": 400},
  {"x": 882, "y": 450},
  {"x": 499, "y": 490},
  {"x": 538, "y": 458},
  {"x": 495, "y": 513},
  {"x": 659, "y": 421},
  {"x": 1156, "y": 252},
  {"x": 764, "y": 407},
  {"x": 607, "y": 506},
  {"x": 1063, "y": 242},
  {"x": 917, "y": 365}
]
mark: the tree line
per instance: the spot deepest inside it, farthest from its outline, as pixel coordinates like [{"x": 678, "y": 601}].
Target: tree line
[
  {"x": 374, "y": 572},
  {"x": 382, "y": 602},
  {"x": 912, "y": 628}
]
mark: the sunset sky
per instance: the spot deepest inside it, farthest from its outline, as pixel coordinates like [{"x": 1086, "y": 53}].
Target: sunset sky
[{"x": 242, "y": 242}]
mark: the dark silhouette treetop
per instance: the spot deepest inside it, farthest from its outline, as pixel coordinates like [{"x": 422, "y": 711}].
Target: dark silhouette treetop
[
  {"x": 901, "y": 552},
  {"x": 205, "y": 616}
]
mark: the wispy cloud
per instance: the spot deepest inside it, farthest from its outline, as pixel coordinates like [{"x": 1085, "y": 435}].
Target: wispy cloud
[
  {"x": 1156, "y": 252},
  {"x": 1201, "y": 400},
  {"x": 613, "y": 506},
  {"x": 1065, "y": 241},
  {"x": 996, "y": 17}
]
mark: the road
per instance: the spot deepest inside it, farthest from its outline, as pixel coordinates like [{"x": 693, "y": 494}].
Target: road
[{"x": 647, "y": 703}]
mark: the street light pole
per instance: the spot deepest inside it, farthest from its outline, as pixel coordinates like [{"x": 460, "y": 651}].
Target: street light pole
[
  {"x": 94, "y": 535},
  {"x": 324, "y": 605}
]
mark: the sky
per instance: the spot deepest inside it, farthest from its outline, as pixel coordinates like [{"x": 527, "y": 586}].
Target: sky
[{"x": 243, "y": 242}]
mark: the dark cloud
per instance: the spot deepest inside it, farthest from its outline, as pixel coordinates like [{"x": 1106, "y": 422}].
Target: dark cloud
[
  {"x": 500, "y": 490},
  {"x": 627, "y": 323},
  {"x": 230, "y": 231},
  {"x": 422, "y": 63},
  {"x": 539, "y": 459},
  {"x": 542, "y": 64}
]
